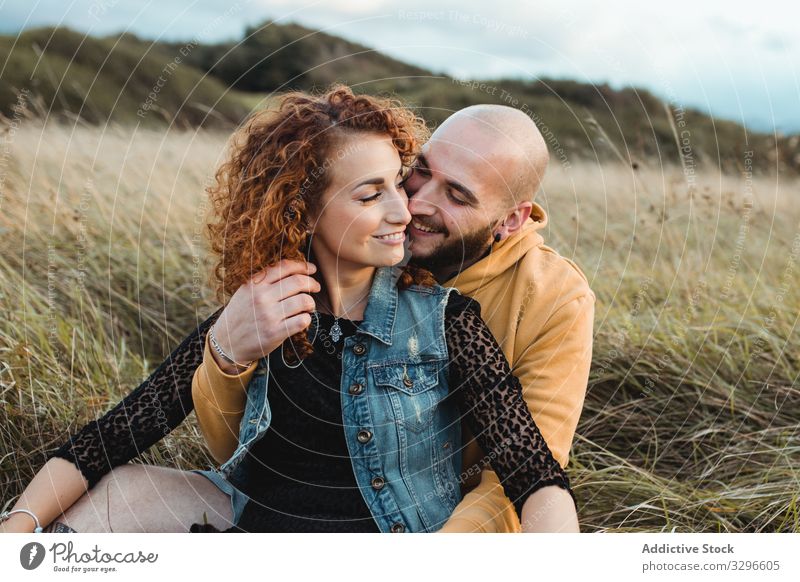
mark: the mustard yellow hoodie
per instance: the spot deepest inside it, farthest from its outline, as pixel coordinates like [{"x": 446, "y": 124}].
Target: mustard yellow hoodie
[{"x": 540, "y": 309}]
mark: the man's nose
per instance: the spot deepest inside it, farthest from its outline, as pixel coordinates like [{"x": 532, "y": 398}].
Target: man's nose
[{"x": 420, "y": 203}]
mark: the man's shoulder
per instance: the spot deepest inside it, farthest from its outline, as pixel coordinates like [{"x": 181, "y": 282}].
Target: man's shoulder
[
  {"x": 550, "y": 274},
  {"x": 556, "y": 295}
]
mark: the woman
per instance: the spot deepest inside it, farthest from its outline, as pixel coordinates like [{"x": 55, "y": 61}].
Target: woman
[{"x": 332, "y": 166}]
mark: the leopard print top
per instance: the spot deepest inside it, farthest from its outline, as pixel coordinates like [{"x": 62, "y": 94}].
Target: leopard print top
[
  {"x": 493, "y": 407},
  {"x": 489, "y": 394}
]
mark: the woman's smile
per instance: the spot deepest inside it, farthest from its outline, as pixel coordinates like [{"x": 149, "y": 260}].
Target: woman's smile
[{"x": 394, "y": 238}]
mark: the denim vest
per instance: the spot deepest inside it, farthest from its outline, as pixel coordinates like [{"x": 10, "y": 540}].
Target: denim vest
[{"x": 403, "y": 436}]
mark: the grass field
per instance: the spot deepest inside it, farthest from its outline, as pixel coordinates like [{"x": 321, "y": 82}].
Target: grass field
[{"x": 692, "y": 416}]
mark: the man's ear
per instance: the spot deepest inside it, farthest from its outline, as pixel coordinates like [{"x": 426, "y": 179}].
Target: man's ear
[{"x": 517, "y": 217}]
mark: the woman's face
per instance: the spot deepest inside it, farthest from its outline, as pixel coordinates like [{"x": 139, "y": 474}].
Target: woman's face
[{"x": 364, "y": 212}]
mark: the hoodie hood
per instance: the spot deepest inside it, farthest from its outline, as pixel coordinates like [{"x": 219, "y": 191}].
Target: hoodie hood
[{"x": 503, "y": 255}]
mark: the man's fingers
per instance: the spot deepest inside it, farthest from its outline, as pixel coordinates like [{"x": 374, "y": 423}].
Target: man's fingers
[
  {"x": 283, "y": 269},
  {"x": 297, "y": 323},
  {"x": 295, "y": 304},
  {"x": 293, "y": 285}
]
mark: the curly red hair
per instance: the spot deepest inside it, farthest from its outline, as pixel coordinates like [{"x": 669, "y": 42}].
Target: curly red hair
[{"x": 262, "y": 192}]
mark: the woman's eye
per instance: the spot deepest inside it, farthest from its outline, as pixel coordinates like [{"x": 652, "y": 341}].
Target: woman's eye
[{"x": 371, "y": 198}]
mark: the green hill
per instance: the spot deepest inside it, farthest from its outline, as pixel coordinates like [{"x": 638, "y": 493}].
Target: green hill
[
  {"x": 126, "y": 79},
  {"x": 278, "y": 57},
  {"x": 110, "y": 79}
]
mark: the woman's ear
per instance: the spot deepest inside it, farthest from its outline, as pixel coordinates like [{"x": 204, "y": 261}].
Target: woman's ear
[
  {"x": 307, "y": 251},
  {"x": 308, "y": 224}
]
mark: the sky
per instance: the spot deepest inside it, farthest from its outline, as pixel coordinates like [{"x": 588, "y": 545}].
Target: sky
[{"x": 735, "y": 59}]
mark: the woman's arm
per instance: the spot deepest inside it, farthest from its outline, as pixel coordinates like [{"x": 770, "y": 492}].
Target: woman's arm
[
  {"x": 491, "y": 400},
  {"x": 56, "y": 486},
  {"x": 141, "y": 419}
]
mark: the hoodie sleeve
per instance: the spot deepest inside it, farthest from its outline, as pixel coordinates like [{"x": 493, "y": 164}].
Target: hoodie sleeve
[
  {"x": 219, "y": 401},
  {"x": 554, "y": 367}
]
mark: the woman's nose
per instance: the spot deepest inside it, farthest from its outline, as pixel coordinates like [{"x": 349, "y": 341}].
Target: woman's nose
[{"x": 398, "y": 212}]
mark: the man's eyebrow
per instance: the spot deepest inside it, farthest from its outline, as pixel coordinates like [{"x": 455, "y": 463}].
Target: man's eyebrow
[
  {"x": 471, "y": 198},
  {"x": 469, "y": 194}
]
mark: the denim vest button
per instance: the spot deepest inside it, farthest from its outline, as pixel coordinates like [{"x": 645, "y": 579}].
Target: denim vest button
[
  {"x": 359, "y": 349},
  {"x": 356, "y": 389},
  {"x": 398, "y": 528},
  {"x": 408, "y": 381},
  {"x": 364, "y": 436},
  {"x": 378, "y": 483}
]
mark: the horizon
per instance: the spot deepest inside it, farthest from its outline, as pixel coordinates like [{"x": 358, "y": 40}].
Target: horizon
[{"x": 763, "y": 98}]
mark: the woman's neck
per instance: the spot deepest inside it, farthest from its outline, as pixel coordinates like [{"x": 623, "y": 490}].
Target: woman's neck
[{"x": 345, "y": 289}]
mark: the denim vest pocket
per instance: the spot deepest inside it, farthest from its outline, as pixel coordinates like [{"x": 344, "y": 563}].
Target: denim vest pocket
[
  {"x": 409, "y": 377},
  {"x": 414, "y": 390}
]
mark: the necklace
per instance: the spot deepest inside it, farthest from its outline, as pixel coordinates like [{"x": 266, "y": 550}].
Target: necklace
[{"x": 336, "y": 331}]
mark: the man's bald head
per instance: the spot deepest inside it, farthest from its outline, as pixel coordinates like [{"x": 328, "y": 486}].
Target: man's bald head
[
  {"x": 505, "y": 137},
  {"x": 472, "y": 186}
]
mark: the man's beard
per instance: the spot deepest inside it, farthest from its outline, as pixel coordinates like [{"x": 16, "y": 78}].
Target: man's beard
[{"x": 455, "y": 253}]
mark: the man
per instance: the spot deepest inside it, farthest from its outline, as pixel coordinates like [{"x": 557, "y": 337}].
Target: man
[{"x": 475, "y": 226}]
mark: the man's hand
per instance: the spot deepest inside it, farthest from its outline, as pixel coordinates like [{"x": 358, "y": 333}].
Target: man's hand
[
  {"x": 272, "y": 306},
  {"x": 549, "y": 510}
]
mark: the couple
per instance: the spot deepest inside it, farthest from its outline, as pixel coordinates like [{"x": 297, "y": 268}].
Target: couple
[{"x": 391, "y": 405}]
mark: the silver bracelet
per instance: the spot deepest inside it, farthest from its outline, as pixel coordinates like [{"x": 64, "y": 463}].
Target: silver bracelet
[
  {"x": 6, "y": 514},
  {"x": 222, "y": 353}
]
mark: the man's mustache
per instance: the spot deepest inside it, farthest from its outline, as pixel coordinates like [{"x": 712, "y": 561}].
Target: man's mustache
[{"x": 426, "y": 224}]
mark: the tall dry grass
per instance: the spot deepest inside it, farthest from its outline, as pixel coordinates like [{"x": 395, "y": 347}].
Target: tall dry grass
[{"x": 692, "y": 416}]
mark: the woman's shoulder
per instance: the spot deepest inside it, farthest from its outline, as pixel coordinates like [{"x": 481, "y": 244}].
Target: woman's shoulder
[{"x": 457, "y": 303}]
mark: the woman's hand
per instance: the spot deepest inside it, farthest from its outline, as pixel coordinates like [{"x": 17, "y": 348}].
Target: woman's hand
[
  {"x": 18, "y": 523},
  {"x": 272, "y": 306}
]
